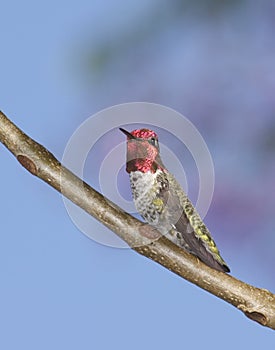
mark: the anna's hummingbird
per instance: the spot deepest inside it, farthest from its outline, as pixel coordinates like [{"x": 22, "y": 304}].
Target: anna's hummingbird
[{"x": 161, "y": 201}]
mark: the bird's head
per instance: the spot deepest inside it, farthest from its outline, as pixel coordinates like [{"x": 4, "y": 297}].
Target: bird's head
[{"x": 142, "y": 151}]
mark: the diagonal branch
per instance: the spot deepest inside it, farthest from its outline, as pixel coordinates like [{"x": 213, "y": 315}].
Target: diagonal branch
[{"x": 257, "y": 304}]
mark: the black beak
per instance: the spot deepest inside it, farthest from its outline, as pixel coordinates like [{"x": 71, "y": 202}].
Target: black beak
[{"x": 127, "y": 133}]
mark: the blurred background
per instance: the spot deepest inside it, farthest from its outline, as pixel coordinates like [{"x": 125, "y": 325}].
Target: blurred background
[{"x": 61, "y": 62}]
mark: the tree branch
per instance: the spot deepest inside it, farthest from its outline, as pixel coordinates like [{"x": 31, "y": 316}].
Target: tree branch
[{"x": 257, "y": 304}]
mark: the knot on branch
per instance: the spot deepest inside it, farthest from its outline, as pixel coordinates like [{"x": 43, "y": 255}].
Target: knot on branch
[
  {"x": 256, "y": 316},
  {"x": 27, "y": 163}
]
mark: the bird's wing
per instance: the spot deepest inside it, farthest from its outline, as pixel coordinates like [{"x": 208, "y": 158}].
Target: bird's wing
[
  {"x": 198, "y": 246},
  {"x": 191, "y": 235}
]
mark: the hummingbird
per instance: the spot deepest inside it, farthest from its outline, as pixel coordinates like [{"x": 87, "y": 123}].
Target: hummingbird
[{"x": 161, "y": 201}]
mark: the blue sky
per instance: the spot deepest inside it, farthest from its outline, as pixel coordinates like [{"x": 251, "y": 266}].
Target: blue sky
[{"x": 61, "y": 62}]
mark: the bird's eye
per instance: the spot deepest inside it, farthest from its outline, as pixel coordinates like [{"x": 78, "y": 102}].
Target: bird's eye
[{"x": 153, "y": 141}]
